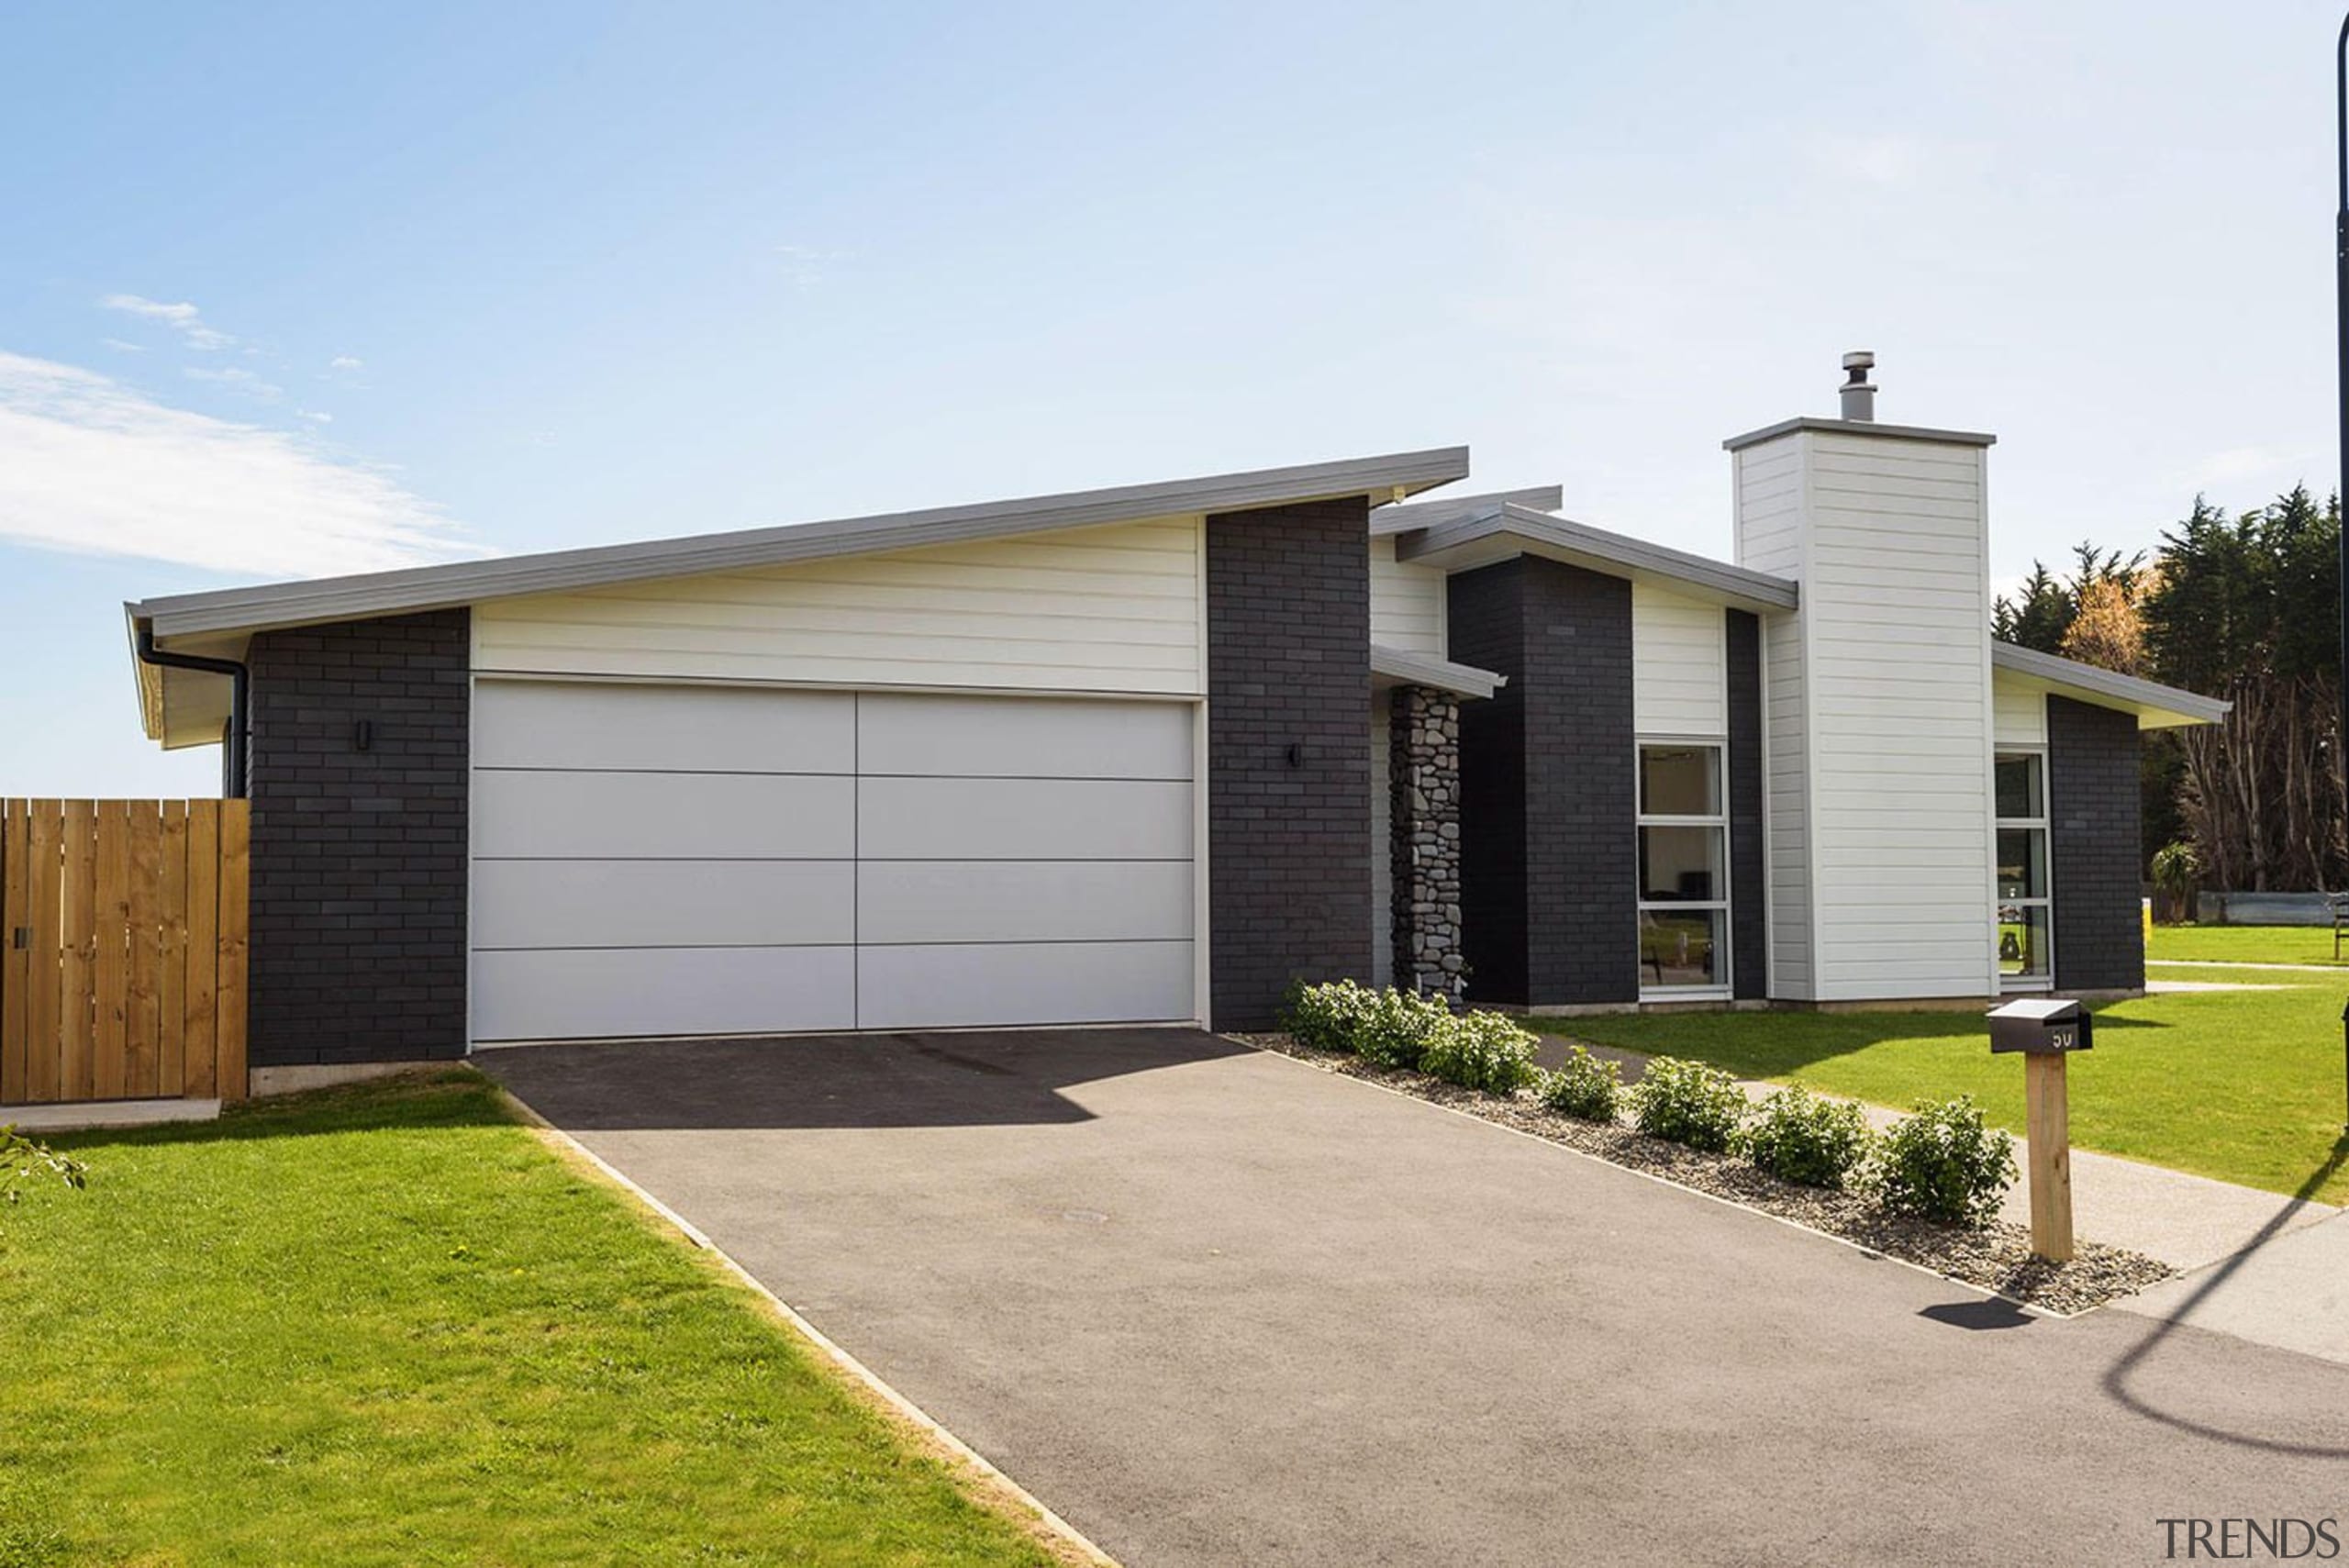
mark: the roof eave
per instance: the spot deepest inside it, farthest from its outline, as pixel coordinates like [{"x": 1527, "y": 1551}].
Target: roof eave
[
  {"x": 1387, "y": 477},
  {"x": 2157, "y": 706},
  {"x": 1404, "y": 666},
  {"x": 1507, "y": 530}
]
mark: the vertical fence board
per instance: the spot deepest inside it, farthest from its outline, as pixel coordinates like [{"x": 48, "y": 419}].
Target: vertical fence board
[
  {"x": 45, "y": 979},
  {"x": 112, "y": 969},
  {"x": 236, "y": 860},
  {"x": 170, "y": 951},
  {"x": 77, "y": 1001},
  {"x": 203, "y": 948},
  {"x": 15, "y": 943},
  {"x": 141, "y": 1038}
]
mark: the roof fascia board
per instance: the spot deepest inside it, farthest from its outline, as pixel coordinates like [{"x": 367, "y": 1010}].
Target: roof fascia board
[
  {"x": 462, "y": 582},
  {"x": 1426, "y": 670},
  {"x": 1427, "y": 514},
  {"x": 1859, "y": 428},
  {"x": 2108, "y": 688},
  {"x": 1581, "y": 544}
]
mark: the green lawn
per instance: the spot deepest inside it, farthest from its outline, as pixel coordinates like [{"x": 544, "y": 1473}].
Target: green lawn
[
  {"x": 2245, "y": 1085},
  {"x": 388, "y": 1326},
  {"x": 2244, "y": 974},
  {"x": 2242, "y": 944}
]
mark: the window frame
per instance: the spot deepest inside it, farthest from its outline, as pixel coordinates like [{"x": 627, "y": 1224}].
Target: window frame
[
  {"x": 1717, "y": 748},
  {"x": 2042, "y": 825}
]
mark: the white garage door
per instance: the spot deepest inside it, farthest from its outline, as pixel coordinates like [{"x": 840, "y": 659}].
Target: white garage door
[{"x": 682, "y": 861}]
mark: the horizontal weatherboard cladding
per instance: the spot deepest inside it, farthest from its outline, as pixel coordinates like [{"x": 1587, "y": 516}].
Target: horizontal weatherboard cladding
[{"x": 1112, "y": 608}]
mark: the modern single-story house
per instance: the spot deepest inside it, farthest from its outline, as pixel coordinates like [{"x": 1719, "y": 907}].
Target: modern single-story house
[{"x": 1149, "y": 754}]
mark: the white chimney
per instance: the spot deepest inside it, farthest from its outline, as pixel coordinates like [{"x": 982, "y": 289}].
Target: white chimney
[{"x": 1877, "y": 723}]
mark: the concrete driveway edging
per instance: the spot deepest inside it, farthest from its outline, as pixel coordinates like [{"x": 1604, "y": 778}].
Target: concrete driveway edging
[{"x": 927, "y": 1427}]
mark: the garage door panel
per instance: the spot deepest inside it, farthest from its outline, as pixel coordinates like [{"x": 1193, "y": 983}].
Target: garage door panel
[
  {"x": 661, "y": 991},
  {"x": 1023, "y": 901},
  {"x": 657, "y": 904},
  {"x": 542, "y": 724},
  {"x": 590, "y": 816},
  {"x": 1013, "y": 983},
  {"x": 1022, "y": 819},
  {"x": 1022, "y": 737}
]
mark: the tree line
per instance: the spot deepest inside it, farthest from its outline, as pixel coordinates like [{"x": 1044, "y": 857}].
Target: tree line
[{"x": 2243, "y": 608}]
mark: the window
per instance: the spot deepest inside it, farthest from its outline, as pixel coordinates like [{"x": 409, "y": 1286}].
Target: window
[
  {"x": 1684, "y": 868},
  {"x": 2026, "y": 928}
]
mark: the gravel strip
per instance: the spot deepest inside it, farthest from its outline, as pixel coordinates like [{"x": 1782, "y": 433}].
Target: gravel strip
[{"x": 1997, "y": 1257}]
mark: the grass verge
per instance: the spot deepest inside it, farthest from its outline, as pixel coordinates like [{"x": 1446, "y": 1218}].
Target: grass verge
[
  {"x": 389, "y": 1325},
  {"x": 2242, "y": 944},
  {"x": 2244, "y": 1085}
]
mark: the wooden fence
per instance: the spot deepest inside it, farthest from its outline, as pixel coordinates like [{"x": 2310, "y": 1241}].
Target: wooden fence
[{"x": 122, "y": 950}]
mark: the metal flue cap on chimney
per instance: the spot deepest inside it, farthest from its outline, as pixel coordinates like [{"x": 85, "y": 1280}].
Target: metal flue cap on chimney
[{"x": 1858, "y": 390}]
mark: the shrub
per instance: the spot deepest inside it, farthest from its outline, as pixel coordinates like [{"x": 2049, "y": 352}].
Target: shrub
[
  {"x": 1481, "y": 1051},
  {"x": 1587, "y": 1086},
  {"x": 1798, "y": 1137},
  {"x": 1688, "y": 1102},
  {"x": 1399, "y": 1027},
  {"x": 1327, "y": 1016},
  {"x": 1942, "y": 1163}
]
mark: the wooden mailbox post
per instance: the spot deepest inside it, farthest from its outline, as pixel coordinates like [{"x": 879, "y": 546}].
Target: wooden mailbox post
[{"x": 2045, "y": 1033}]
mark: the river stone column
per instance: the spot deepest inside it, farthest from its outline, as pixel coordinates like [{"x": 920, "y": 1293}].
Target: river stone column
[{"x": 1423, "y": 781}]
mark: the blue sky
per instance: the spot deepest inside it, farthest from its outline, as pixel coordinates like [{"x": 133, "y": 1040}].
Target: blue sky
[{"x": 301, "y": 289}]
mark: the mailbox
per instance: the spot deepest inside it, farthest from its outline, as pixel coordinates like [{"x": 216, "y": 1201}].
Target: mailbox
[{"x": 2041, "y": 1027}]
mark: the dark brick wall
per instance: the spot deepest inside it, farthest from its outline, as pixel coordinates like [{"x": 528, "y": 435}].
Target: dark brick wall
[
  {"x": 1488, "y": 631},
  {"x": 1288, "y": 666},
  {"x": 2094, "y": 804},
  {"x": 1748, "y": 881},
  {"x": 359, "y": 877},
  {"x": 1550, "y": 861}
]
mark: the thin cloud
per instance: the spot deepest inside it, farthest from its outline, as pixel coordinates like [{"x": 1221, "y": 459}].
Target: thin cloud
[
  {"x": 315, "y": 416},
  {"x": 119, "y": 346},
  {"x": 91, "y": 466},
  {"x": 239, "y": 378},
  {"x": 345, "y": 362},
  {"x": 181, "y": 318}
]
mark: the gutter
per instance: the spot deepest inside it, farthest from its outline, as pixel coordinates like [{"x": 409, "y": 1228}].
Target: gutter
[{"x": 232, "y": 745}]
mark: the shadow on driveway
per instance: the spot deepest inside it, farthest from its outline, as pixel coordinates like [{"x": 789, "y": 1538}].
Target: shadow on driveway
[{"x": 934, "y": 1078}]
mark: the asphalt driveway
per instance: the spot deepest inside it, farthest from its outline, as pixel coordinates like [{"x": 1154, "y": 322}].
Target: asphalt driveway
[{"x": 1219, "y": 1308}]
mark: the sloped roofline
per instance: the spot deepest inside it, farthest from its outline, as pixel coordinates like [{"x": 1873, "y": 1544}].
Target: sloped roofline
[
  {"x": 2110, "y": 688},
  {"x": 1491, "y": 533},
  {"x": 1390, "y": 476}
]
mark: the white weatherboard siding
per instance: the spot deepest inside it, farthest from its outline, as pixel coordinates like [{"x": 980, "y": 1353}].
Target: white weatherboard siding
[
  {"x": 1895, "y": 722},
  {"x": 1679, "y": 663},
  {"x": 1769, "y": 503},
  {"x": 662, "y": 859},
  {"x": 1110, "y": 609},
  {"x": 2021, "y": 712},
  {"x": 1407, "y": 602}
]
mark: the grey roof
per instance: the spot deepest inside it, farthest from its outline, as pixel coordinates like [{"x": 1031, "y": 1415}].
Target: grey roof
[
  {"x": 2165, "y": 705},
  {"x": 1427, "y": 514},
  {"x": 1499, "y": 532},
  {"x": 1412, "y": 669},
  {"x": 1387, "y": 477},
  {"x": 1859, "y": 427}
]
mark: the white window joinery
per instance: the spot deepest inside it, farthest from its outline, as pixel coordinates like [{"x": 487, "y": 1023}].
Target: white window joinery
[
  {"x": 1684, "y": 870},
  {"x": 2025, "y": 908}
]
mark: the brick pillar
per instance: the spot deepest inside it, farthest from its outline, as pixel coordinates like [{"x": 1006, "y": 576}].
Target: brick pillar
[{"x": 1423, "y": 832}]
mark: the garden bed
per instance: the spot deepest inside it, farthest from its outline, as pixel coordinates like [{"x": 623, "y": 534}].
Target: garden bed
[{"x": 1995, "y": 1258}]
